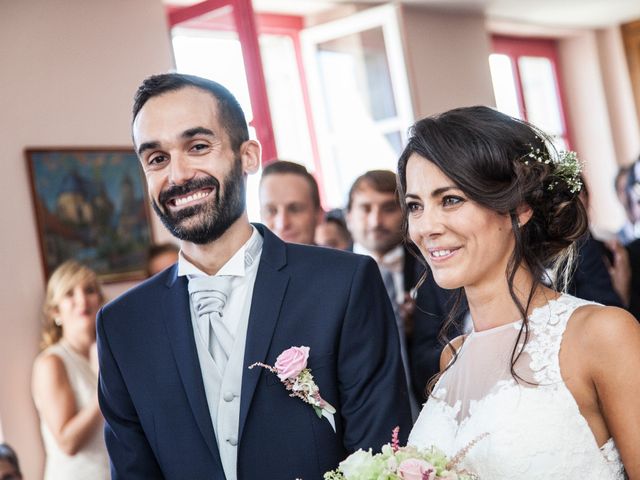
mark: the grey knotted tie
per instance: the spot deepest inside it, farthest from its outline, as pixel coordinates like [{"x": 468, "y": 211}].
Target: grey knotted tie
[{"x": 209, "y": 296}]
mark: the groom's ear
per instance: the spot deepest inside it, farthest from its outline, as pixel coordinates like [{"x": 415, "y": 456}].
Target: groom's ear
[{"x": 250, "y": 153}]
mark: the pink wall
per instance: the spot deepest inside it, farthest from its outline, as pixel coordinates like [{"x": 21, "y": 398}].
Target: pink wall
[
  {"x": 619, "y": 95},
  {"x": 604, "y": 127},
  {"x": 69, "y": 71},
  {"x": 447, "y": 57}
]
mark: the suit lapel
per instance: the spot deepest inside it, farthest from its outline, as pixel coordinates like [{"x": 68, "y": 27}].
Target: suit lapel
[
  {"x": 413, "y": 269},
  {"x": 177, "y": 314},
  {"x": 268, "y": 293}
]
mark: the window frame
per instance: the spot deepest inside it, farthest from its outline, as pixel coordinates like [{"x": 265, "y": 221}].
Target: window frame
[{"x": 515, "y": 48}]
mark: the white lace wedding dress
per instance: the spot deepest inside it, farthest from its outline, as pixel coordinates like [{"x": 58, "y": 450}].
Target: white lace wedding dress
[{"x": 515, "y": 430}]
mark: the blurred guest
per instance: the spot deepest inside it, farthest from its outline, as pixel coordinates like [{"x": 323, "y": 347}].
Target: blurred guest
[
  {"x": 374, "y": 219},
  {"x": 618, "y": 260},
  {"x": 595, "y": 275},
  {"x": 65, "y": 377},
  {"x": 633, "y": 198},
  {"x": 633, "y": 250},
  {"x": 627, "y": 233},
  {"x": 9, "y": 466},
  {"x": 290, "y": 202},
  {"x": 161, "y": 256},
  {"x": 333, "y": 233},
  {"x": 591, "y": 280}
]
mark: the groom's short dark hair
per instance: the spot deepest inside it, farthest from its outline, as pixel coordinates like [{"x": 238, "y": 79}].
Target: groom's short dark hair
[{"x": 230, "y": 112}]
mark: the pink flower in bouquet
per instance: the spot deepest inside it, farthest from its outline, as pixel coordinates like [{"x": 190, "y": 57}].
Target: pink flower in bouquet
[
  {"x": 415, "y": 469},
  {"x": 291, "y": 362}
]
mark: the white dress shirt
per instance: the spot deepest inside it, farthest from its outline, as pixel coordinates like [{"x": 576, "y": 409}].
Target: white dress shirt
[{"x": 223, "y": 392}]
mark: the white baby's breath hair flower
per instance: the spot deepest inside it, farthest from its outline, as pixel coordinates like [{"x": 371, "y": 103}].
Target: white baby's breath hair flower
[{"x": 567, "y": 167}]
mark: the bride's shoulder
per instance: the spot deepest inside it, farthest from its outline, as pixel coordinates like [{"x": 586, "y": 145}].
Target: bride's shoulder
[
  {"x": 601, "y": 322},
  {"x": 450, "y": 349},
  {"x": 603, "y": 332}
]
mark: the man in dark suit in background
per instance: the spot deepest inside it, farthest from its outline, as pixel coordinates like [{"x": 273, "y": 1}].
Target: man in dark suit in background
[{"x": 179, "y": 399}]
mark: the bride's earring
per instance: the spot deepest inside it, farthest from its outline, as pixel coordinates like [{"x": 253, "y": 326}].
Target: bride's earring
[{"x": 57, "y": 321}]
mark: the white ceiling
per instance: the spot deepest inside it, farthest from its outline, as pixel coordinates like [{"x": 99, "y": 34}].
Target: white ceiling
[
  {"x": 557, "y": 13},
  {"x": 561, "y": 13}
]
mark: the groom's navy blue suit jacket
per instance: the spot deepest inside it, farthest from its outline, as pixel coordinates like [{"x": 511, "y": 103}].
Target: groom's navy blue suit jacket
[{"x": 151, "y": 390}]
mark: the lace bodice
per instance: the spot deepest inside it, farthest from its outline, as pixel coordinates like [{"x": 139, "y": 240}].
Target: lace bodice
[{"x": 519, "y": 430}]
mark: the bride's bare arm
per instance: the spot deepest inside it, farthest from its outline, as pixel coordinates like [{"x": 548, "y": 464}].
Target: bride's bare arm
[{"x": 614, "y": 362}]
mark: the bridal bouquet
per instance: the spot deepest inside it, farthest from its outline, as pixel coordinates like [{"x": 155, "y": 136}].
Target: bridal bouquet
[{"x": 400, "y": 463}]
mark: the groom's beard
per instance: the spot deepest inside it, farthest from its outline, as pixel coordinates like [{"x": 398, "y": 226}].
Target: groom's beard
[{"x": 204, "y": 223}]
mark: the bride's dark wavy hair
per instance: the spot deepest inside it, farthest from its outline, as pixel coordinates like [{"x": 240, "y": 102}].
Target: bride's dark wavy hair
[{"x": 484, "y": 152}]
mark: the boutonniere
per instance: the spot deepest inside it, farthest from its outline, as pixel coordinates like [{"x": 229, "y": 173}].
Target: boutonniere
[{"x": 291, "y": 369}]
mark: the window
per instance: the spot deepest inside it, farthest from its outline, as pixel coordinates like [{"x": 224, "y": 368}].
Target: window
[
  {"x": 360, "y": 95},
  {"x": 526, "y": 84}
]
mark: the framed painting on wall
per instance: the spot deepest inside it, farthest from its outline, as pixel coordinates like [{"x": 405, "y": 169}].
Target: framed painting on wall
[{"x": 91, "y": 206}]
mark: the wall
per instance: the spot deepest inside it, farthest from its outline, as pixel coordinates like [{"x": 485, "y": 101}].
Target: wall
[
  {"x": 447, "y": 58},
  {"x": 69, "y": 70},
  {"x": 625, "y": 130},
  {"x": 603, "y": 130}
]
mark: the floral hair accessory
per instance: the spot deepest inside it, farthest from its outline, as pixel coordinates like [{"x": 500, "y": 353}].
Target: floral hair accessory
[
  {"x": 291, "y": 369},
  {"x": 402, "y": 463},
  {"x": 567, "y": 167}
]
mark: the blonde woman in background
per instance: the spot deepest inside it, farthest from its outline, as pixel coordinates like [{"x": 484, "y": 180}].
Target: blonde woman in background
[{"x": 65, "y": 377}]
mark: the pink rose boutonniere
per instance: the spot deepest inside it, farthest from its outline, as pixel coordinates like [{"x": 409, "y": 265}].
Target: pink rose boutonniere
[{"x": 291, "y": 369}]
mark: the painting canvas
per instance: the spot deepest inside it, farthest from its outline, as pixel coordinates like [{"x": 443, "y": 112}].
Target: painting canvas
[{"x": 91, "y": 206}]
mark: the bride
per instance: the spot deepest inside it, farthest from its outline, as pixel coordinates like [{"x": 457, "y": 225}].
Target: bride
[{"x": 546, "y": 385}]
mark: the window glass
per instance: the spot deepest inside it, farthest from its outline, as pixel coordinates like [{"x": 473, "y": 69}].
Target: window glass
[
  {"x": 286, "y": 101},
  {"x": 504, "y": 86},
  {"x": 213, "y": 55},
  {"x": 540, "y": 94}
]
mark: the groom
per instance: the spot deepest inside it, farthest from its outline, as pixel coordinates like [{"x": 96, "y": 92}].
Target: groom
[{"x": 178, "y": 397}]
